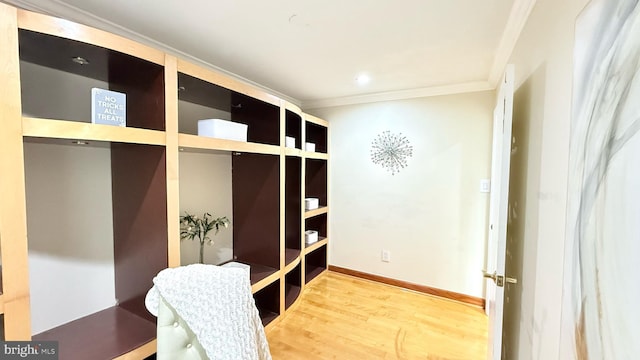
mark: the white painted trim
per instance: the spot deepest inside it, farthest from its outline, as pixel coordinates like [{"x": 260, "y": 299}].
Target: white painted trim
[
  {"x": 60, "y": 9},
  {"x": 517, "y": 19},
  {"x": 400, "y": 95}
]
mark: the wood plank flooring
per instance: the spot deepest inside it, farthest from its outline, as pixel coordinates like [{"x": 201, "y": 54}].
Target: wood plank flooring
[{"x": 343, "y": 317}]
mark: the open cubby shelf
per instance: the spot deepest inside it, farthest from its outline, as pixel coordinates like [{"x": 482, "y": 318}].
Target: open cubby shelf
[
  {"x": 103, "y": 335},
  {"x": 47, "y": 58},
  {"x": 135, "y": 185},
  {"x": 2, "y": 327},
  {"x": 316, "y": 180},
  {"x": 316, "y": 263},
  {"x": 291, "y": 294},
  {"x": 313, "y": 272},
  {"x": 268, "y": 302},
  {"x": 293, "y": 286},
  {"x": 201, "y": 100},
  {"x": 319, "y": 224},
  {"x": 293, "y": 127},
  {"x": 316, "y": 134}
]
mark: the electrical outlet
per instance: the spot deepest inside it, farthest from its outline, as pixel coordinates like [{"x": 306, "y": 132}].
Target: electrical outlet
[{"x": 386, "y": 256}]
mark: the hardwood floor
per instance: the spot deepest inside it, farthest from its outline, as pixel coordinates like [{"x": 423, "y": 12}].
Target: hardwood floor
[{"x": 343, "y": 317}]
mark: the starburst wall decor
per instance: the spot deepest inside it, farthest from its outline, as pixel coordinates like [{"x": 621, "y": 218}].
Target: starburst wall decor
[{"x": 391, "y": 151}]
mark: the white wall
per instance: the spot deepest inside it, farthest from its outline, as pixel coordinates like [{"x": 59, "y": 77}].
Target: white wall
[
  {"x": 543, "y": 60},
  {"x": 431, "y": 215},
  {"x": 70, "y": 227},
  {"x": 205, "y": 186}
]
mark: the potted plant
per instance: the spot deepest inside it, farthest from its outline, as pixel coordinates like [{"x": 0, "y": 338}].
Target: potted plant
[{"x": 192, "y": 227}]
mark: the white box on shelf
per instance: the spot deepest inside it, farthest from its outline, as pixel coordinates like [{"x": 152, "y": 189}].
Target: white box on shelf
[
  {"x": 310, "y": 236},
  {"x": 311, "y": 147},
  {"x": 311, "y": 203},
  {"x": 290, "y": 142},
  {"x": 222, "y": 129}
]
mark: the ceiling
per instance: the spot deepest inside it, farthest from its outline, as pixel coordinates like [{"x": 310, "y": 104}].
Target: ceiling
[{"x": 311, "y": 52}]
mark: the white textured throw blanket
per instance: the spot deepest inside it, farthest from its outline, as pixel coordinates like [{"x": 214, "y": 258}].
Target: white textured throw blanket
[{"x": 216, "y": 304}]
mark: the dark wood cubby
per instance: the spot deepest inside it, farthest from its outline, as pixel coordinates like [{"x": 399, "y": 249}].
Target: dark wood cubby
[
  {"x": 1, "y": 327},
  {"x": 256, "y": 209},
  {"x": 319, "y": 224},
  {"x": 140, "y": 237},
  {"x": 268, "y": 302},
  {"x": 318, "y": 135},
  {"x": 293, "y": 127},
  {"x": 316, "y": 263},
  {"x": 292, "y": 286},
  {"x": 316, "y": 180},
  {"x": 142, "y": 81},
  {"x": 103, "y": 335},
  {"x": 293, "y": 205},
  {"x": 263, "y": 119}
]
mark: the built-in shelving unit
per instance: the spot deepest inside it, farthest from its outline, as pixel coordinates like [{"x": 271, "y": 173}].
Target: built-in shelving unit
[{"x": 101, "y": 203}]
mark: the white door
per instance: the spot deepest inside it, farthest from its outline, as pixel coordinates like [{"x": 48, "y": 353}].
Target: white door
[{"x": 497, "y": 238}]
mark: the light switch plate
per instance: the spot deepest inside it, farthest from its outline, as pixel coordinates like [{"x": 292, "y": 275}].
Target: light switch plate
[
  {"x": 386, "y": 256},
  {"x": 485, "y": 185}
]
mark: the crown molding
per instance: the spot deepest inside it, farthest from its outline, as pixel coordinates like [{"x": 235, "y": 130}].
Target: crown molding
[
  {"x": 517, "y": 20},
  {"x": 518, "y": 16},
  {"x": 60, "y": 9},
  {"x": 400, "y": 95}
]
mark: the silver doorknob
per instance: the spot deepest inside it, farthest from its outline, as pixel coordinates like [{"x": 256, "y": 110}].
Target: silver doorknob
[
  {"x": 487, "y": 275},
  {"x": 498, "y": 279}
]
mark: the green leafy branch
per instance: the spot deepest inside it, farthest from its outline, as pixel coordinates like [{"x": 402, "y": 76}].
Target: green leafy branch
[{"x": 192, "y": 227}]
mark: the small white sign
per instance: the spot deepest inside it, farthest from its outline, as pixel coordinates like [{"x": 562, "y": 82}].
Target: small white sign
[{"x": 108, "y": 107}]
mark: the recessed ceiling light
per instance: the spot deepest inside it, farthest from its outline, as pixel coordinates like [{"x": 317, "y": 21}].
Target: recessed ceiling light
[
  {"x": 80, "y": 60},
  {"x": 363, "y": 79},
  {"x": 80, "y": 142}
]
